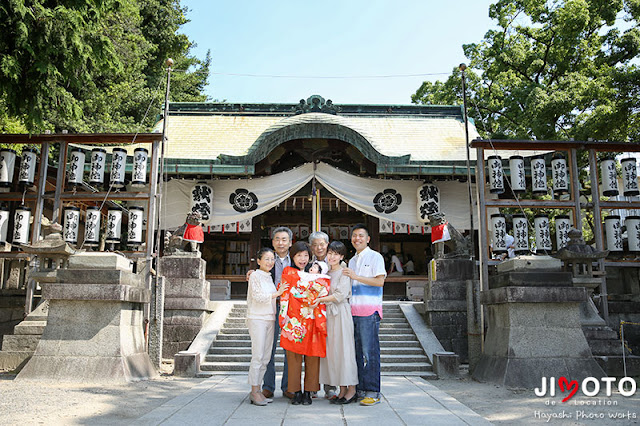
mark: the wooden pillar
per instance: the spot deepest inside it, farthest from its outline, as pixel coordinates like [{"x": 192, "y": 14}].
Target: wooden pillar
[
  {"x": 597, "y": 219},
  {"x": 373, "y": 223},
  {"x": 254, "y": 241}
]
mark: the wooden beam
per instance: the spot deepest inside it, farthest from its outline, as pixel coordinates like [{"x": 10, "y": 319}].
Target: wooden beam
[
  {"x": 538, "y": 145},
  {"x": 84, "y": 138}
]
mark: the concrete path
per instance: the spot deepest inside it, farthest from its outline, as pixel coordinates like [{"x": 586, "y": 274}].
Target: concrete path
[{"x": 224, "y": 400}]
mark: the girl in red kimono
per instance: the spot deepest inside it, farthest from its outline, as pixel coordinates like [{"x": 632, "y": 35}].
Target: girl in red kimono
[{"x": 304, "y": 329}]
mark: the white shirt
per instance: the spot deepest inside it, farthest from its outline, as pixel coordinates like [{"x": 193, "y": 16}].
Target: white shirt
[
  {"x": 366, "y": 299},
  {"x": 260, "y": 303},
  {"x": 397, "y": 263}
]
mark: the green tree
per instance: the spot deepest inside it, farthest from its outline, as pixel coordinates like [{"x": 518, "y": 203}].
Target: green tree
[
  {"x": 552, "y": 70},
  {"x": 93, "y": 66}
]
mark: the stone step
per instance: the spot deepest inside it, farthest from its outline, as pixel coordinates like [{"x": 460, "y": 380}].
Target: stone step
[
  {"x": 383, "y": 337},
  {"x": 600, "y": 333},
  {"x": 20, "y": 343},
  {"x": 400, "y": 368},
  {"x": 229, "y": 341},
  {"x": 397, "y": 337},
  {"x": 30, "y": 328},
  {"x": 384, "y": 358},
  {"x": 399, "y": 344},
  {"x": 244, "y": 350},
  {"x": 383, "y": 330},
  {"x": 605, "y": 347},
  {"x": 386, "y": 320}
]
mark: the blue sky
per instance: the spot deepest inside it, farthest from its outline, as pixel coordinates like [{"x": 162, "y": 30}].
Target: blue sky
[{"x": 320, "y": 40}]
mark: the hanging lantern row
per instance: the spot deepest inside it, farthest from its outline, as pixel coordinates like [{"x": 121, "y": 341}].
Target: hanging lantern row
[
  {"x": 26, "y": 170},
  {"x": 538, "y": 174},
  {"x": 118, "y": 166},
  {"x": 609, "y": 177},
  {"x": 521, "y": 233},
  {"x": 21, "y": 224},
  {"x": 613, "y": 231},
  {"x": 92, "y": 226}
]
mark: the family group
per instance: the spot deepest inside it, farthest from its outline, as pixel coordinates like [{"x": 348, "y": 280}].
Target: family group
[{"x": 326, "y": 314}]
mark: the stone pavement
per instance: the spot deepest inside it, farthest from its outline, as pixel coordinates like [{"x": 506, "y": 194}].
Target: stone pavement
[{"x": 224, "y": 400}]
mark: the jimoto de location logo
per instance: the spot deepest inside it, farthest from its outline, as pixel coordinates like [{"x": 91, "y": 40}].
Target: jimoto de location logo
[{"x": 595, "y": 389}]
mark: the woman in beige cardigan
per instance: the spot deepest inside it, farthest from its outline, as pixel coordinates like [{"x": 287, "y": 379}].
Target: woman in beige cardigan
[
  {"x": 339, "y": 367},
  {"x": 261, "y": 315}
]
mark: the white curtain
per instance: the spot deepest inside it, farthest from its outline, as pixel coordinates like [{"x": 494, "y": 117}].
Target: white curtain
[
  {"x": 386, "y": 199},
  {"x": 263, "y": 193},
  {"x": 236, "y": 200}
]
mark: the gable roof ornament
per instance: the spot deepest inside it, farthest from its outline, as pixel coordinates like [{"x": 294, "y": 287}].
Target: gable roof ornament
[{"x": 315, "y": 103}]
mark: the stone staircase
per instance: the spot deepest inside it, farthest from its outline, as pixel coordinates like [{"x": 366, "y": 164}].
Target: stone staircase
[
  {"x": 18, "y": 347},
  {"x": 400, "y": 351}
]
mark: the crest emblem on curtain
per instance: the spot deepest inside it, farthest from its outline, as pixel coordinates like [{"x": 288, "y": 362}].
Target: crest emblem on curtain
[
  {"x": 387, "y": 201},
  {"x": 243, "y": 201}
]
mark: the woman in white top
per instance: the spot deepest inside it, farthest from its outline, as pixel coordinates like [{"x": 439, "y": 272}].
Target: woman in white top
[
  {"x": 261, "y": 314},
  {"x": 339, "y": 367}
]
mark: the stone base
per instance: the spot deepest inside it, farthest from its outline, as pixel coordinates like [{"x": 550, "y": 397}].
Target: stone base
[
  {"x": 446, "y": 365},
  {"x": 187, "y": 302},
  {"x": 446, "y": 312},
  {"x": 451, "y": 269},
  {"x": 91, "y": 341},
  {"x": 14, "y": 360},
  {"x": 186, "y": 364},
  {"x": 415, "y": 290},
  {"x": 534, "y": 332},
  {"x": 220, "y": 289},
  {"x": 614, "y": 366},
  {"x": 180, "y": 328},
  {"x": 18, "y": 347}
]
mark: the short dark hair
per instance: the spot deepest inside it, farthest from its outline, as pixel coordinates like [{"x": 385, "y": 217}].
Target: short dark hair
[
  {"x": 297, "y": 248},
  {"x": 360, "y": 226},
  {"x": 337, "y": 247},
  {"x": 262, "y": 251}
]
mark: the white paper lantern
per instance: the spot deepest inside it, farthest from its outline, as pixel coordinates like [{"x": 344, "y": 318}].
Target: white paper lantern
[
  {"x": 543, "y": 235},
  {"x": 518, "y": 175},
  {"x": 28, "y": 164},
  {"x": 559, "y": 174},
  {"x": 118, "y": 167},
  {"x": 499, "y": 229},
  {"x": 629, "y": 177},
  {"x": 633, "y": 232},
  {"x": 538, "y": 175},
  {"x": 520, "y": 234},
  {"x": 92, "y": 227},
  {"x": 613, "y": 230},
  {"x": 609, "y": 176},
  {"x": 4, "y": 223},
  {"x": 71, "y": 224},
  {"x": 496, "y": 174},
  {"x": 563, "y": 225},
  {"x": 114, "y": 225},
  {"x": 428, "y": 201},
  {"x": 98, "y": 161},
  {"x": 202, "y": 200},
  {"x": 76, "y": 166},
  {"x": 21, "y": 225},
  {"x": 7, "y": 166},
  {"x": 139, "y": 175},
  {"x": 136, "y": 216}
]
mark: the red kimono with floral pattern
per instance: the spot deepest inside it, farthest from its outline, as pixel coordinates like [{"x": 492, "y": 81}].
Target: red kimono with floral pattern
[{"x": 304, "y": 330}]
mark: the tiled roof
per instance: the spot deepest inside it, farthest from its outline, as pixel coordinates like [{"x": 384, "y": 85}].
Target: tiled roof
[{"x": 437, "y": 136}]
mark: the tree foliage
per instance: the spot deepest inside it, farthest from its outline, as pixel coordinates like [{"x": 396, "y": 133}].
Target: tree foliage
[
  {"x": 93, "y": 65},
  {"x": 552, "y": 69}
]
